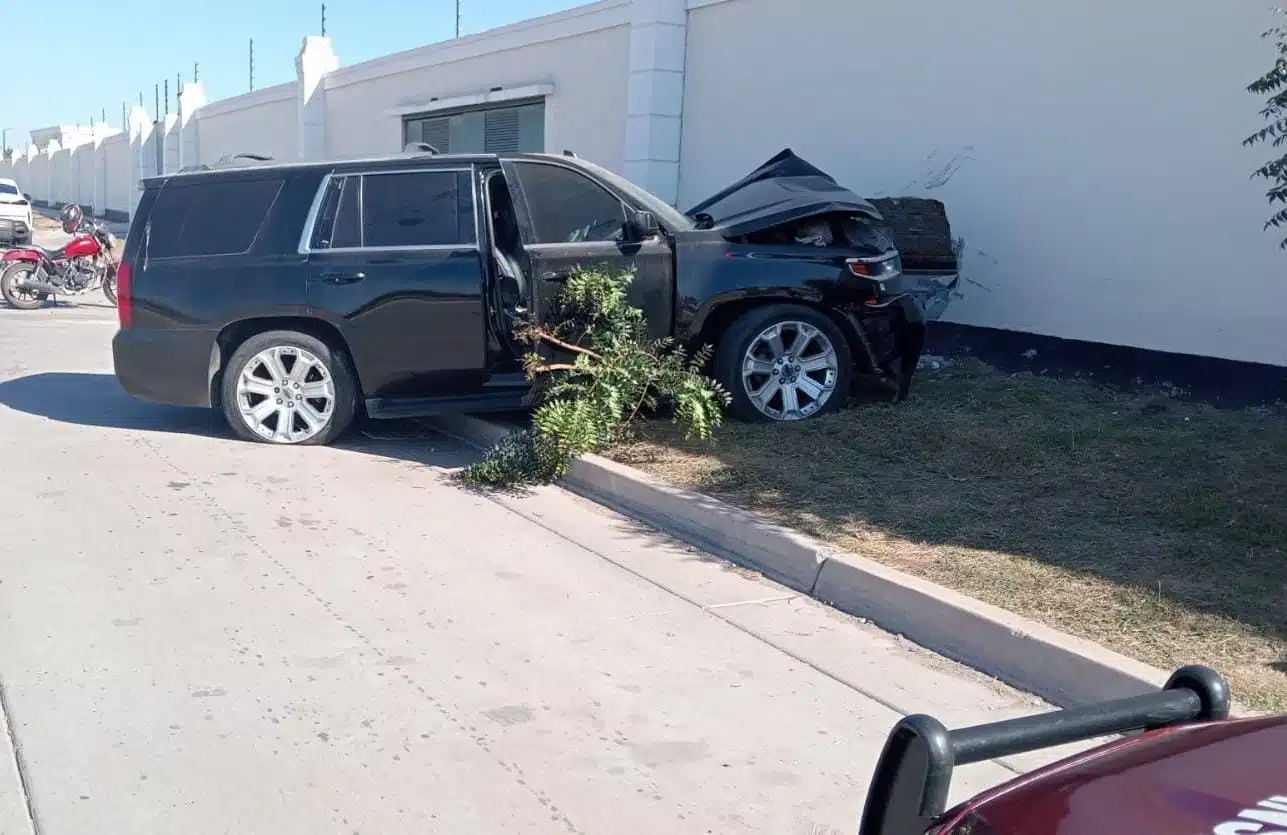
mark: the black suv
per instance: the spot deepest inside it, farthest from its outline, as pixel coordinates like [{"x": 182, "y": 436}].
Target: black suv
[{"x": 293, "y": 295}]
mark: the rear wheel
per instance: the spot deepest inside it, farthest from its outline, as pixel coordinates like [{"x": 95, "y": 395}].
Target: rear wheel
[
  {"x": 109, "y": 286},
  {"x": 285, "y": 387},
  {"x": 20, "y": 297},
  {"x": 783, "y": 362}
]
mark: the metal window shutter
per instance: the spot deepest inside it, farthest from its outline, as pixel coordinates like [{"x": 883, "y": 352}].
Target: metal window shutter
[
  {"x": 500, "y": 131},
  {"x": 436, "y": 133}
]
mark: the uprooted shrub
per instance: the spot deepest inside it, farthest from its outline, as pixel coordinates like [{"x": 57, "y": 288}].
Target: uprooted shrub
[{"x": 608, "y": 373}]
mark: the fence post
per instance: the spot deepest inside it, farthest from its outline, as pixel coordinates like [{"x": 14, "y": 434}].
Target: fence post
[
  {"x": 655, "y": 99},
  {"x": 315, "y": 60},
  {"x": 191, "y": 99}
]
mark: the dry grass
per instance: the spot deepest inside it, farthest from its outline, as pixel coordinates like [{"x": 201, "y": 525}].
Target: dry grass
[{"x": 1153, "y": 526}]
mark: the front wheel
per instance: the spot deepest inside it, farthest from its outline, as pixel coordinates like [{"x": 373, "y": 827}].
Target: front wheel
[
  {"x": 783, "y": 362},
  {"x": 285, "y": 387},
  {"x": 20, "y": 297}
]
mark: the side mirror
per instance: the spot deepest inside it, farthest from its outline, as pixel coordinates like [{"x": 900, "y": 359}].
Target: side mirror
[
  {"x": 26, "y": 196},
  {"x": 643, "y": 225}
]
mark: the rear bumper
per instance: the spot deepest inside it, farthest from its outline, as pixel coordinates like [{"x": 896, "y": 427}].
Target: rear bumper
[
  {"x": 165, "y": 366},
  {"x": 14, "y": 231}
]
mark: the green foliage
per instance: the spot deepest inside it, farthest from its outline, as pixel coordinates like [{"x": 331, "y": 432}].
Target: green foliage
[
  {"x": 1273, "y": 86},
  {"x": 598, "y": 372}
]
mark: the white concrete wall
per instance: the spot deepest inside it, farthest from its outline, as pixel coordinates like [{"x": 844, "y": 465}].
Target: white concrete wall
[
  {"x": 582, "y": 53},
  {"x": 83, "y": 163},
  {"x": 37, "y": 184},
  {"x": 261, "y": 122},
  {"x": 60, "y": 177},
  {"x": 1088, "y": 153},
  {"x": 117, "y": 162}
]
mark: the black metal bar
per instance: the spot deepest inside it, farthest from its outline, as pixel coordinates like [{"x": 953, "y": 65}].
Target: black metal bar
[
  {"x": 323, "y": 20},
  {"x": 1059, "y": 727},
  {"x": 910, "y": 786}
]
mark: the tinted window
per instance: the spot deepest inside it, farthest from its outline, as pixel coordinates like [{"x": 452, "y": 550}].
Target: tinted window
[
  {"x": 5, "y": 188},
  {"x": 348, "y": 223},
  {"x": 337, "y": 220},
  {"x": 567, "y": 206},
  {"x": 213, "y": 218},
  {"x": 413, "y": 209},
  {"x": 324, "y": 226}
]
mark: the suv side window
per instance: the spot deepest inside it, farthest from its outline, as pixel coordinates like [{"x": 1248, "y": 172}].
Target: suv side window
[
  {"x": 338, "y": 224},
  {"x": 567, "y": 206},
  {"x": 210, "y": 218},
  {"x": 421, "y": 208}
]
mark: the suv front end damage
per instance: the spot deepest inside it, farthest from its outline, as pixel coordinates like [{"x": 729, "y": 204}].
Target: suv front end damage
[{"x": 885, "y": 268}]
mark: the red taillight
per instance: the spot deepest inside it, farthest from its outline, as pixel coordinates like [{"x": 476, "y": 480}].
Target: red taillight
[
  {"x": 857, "y": 266},
  {"x": 124, "y": 300},
  {"x": 20, "y": 202}
]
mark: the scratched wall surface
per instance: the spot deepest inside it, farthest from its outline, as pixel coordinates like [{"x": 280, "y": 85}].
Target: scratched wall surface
[{"x": 1089, "y": 153}]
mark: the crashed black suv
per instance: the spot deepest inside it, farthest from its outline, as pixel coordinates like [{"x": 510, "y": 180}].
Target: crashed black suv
[{"x": 293, "y": 296}]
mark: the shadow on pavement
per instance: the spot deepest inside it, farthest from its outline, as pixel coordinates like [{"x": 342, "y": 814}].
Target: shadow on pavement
[{"x": 98, "y": 400}]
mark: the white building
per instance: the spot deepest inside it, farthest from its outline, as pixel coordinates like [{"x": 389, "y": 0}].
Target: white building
[{"x": 1089, "y": 154}]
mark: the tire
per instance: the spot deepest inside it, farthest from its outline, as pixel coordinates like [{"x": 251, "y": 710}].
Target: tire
[
  {"x": 752, "y": 329},
  {"x": 246, "y": 390},
  {"x": 22, "y": 301},
  {"x": 109, "y": 287}
]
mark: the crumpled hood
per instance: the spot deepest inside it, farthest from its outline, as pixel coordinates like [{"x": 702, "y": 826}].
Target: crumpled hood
[
  {"x": 784, "y": 189},
  {"x": 1185, "y": 781}
]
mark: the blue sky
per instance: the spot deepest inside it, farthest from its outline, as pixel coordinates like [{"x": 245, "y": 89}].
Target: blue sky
[{"x": 84, "y": 56}]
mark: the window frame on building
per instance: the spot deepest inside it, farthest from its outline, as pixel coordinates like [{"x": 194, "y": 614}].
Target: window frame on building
[{"x": 493, "y": 124}]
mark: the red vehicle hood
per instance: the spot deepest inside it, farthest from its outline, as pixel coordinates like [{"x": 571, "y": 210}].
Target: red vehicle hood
[{"x": 1223, "y": 778}]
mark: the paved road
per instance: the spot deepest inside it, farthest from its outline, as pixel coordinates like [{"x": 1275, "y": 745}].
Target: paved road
[{"x": 199, "y": 635}]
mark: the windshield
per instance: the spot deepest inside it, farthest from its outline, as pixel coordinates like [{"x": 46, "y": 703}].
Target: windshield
[
  {"x": 666, "y": 214},
  {"x": 6, "y": 188}
]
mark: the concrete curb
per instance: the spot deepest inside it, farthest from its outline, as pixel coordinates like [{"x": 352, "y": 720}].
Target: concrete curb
[{"x": 1060, "y": 668}]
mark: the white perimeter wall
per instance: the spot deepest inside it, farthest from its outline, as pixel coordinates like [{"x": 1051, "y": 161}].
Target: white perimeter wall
[
  {"x": 117, "y": 164},
  {"x": 583, "y": 54},
  {"x": 260, "y": 122},
  {"x": 1089, "y": 153}
]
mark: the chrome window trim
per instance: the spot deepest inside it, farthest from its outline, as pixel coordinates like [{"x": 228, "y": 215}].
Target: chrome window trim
[{"x": 310, "y": 220}]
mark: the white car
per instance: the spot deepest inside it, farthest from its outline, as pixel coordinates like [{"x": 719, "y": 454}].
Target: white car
[{"x": 15, "y": 214}]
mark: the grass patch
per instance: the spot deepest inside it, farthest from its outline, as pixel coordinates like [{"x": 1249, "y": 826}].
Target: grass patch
[{"x": 1151, "y": 525}]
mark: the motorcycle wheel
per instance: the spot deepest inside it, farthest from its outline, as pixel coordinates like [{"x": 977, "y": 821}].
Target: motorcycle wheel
[
  {"x": 20, "y": 298},
  {"x": 109, "y": 287}
]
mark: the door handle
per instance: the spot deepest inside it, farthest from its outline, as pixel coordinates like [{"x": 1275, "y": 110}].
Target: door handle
[
  {"x": 342, "y": 278},
  {"x": 557, "y": 278}
]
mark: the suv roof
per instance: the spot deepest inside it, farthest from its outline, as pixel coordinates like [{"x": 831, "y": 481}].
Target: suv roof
[{"x": 252, "y": 162}]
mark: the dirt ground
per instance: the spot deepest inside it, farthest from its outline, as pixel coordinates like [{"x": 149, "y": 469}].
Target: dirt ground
[{"x": 1152, "y": 525}]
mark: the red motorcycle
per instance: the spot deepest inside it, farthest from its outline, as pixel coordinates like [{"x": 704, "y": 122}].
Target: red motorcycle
[{"x": 87, "y": 262}]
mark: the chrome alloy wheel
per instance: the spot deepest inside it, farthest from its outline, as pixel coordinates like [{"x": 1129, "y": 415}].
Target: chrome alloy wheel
[
  {"x": 790, "y": 370},
  {"x": 286, "y": 394}
]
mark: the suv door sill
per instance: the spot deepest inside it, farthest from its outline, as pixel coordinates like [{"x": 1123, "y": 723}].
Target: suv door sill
[{"x": 388, "y": 408}]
